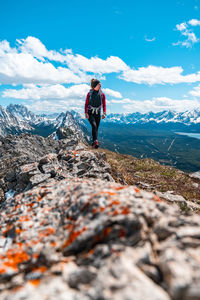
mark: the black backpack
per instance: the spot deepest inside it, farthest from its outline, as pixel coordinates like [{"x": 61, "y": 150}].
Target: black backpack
[{"x": 95, "y": 105}]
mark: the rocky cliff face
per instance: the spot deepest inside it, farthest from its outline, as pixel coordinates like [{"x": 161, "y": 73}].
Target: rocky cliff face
[
  {"x": 17, "y": 119},
  {"x": 69, "y": 231}
]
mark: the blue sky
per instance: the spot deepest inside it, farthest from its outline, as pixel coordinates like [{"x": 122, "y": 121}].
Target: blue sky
[{"x": 146, "y": 54}]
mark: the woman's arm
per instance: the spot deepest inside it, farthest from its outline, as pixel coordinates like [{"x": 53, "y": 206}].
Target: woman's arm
[
  {"x": 86, "y": 105},
  {"x": 104, "y": 103},
  {"x": 104, "y": 106}
]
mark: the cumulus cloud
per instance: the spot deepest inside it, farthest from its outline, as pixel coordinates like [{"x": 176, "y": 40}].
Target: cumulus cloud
[
  {"x": 196, "y": 91},
  {"x": 56, "y": 91},
  {"x": 121, "y": 101},
  {"x": 158, "y": 104},
  {"x": 95, "y": 64},
  {"x": 75, "y": 62},
  {"x": 19, "y": 68},
  {"x": 186, "y": 30},
  {"x": 194, "y": 22},
  {"x": 33, "y": 66},
  {"x": 37, "y": 49},
  {"x": 158, "y": 75},
  {"x": 31, "y": 62},
  {"x": 112, "y": 93},
  {"x": 52, "y": 106}
]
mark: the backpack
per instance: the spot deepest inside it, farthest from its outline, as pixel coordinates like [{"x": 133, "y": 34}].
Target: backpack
[{"x": 95, "y": 107}]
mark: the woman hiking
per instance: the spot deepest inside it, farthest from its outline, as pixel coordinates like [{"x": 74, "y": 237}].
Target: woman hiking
[{"x": 95, "y": 99}]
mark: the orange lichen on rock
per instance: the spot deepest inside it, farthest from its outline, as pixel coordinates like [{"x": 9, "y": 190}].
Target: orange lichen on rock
[
  {"x": 39, "y": 198},
  {"x": 53, "y": 244},
  {"x": 35, "y": 255},
  {"x": 115, "y": 213},
  {"x": 120, "y": 188},
  {"x": 34, "y": 282},
  {"x": 17, "y": 206},
  {"x": 17, "y": 256},
  {"x": 136, "y": 190},
  {"x": 69, "y": 227},
  {"x": 2, "y": 270},
  {"x": 12, "y": 258},
  {"x": 24, "y": 218},
  {"x": 109, "y": 193},
  {"x": 125, "y": 211},
  {"x": 19, "y": 230},
  {"x": 102, "y": 209},
  {"x": 73, "y": 236},
  {"x": 156, "y": 198},
  {"x": 114, "y": 202},
  {"x": 40, "y": 269},
  {"x": 46, "y": 232}
]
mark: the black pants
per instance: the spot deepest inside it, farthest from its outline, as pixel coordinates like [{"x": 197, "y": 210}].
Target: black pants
[{"x": 94, "y": 120}]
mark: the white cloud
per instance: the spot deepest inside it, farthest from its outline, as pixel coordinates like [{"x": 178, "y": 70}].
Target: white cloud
[
  {"x": 20, "y": 68},
  {"x": 149, "y": 40},
  {"x": 50, "y": 106},
  {"x": 196, "y": 91},
  {"x": 121, "y": 101},
  {"x": 182, "y": 26},
  {"x": 160, "y": 104},
  {"x": 186, "y": 31},
  {"x": 158, "y": 75},
  {"x": 76, "y": 62},
  {"x": 29, "y": 62},
  {"x": 56, "y": 91},
  {"x": 95, "y": 64},
  {"x": 35, "y": 47},
  {"x": 112, "y": 93},
  {"x": 194, "y": 22}
]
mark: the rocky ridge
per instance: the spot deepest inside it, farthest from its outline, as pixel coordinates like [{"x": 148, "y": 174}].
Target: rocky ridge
[{"x": 71, "y": 232}]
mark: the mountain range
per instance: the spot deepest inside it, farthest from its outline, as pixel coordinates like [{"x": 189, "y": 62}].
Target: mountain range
[
  {"x": 189, "y": 117},
  {"x": 16, "y": 119}
]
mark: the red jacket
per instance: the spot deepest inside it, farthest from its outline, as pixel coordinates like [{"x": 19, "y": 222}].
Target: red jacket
[{"x": 103, "y": 102}]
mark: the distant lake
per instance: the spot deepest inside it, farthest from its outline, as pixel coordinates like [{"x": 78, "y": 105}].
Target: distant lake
[{"x": 194, "y": 135}]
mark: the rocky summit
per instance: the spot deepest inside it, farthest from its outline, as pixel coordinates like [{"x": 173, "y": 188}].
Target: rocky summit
[{"x": 69, "y": 230}]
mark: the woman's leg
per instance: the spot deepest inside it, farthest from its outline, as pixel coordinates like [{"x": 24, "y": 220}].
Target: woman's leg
[
  {"x": 93, "y": 123},
  {"x": 98, "y": 119}
]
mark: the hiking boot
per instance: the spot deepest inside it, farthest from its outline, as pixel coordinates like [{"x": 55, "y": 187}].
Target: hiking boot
[
  {"x": 93, "y": 145},
  {"x": 96, "y": 144}
]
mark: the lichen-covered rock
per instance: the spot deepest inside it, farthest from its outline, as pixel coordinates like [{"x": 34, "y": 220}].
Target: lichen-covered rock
[{"x": 87, "y": 238}]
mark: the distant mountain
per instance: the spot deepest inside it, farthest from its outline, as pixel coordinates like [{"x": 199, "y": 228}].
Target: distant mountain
[
  {"x": 10, "y": 124},
  {"x": 167, "y": 119},
  {"x": 16, "y": 119}
]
